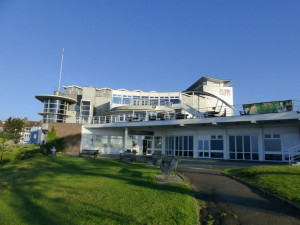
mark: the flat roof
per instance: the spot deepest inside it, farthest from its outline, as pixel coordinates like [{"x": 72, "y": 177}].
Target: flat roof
[{"x": 42, "y": 98}]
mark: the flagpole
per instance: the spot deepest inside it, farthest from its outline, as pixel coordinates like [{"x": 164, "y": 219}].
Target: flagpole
[{"x": 62, "y": 59}]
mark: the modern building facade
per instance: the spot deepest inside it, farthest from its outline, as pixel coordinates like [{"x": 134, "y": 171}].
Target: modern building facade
[{"x": 200, "y": 122}]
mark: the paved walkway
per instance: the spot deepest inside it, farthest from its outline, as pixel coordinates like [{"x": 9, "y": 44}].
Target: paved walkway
[{"x": 231, "y": 202}]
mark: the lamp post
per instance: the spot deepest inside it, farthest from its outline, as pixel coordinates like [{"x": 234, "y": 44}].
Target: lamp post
[
  {"x": 15, "y": 140},
  {"x": 4, "y": 134}
]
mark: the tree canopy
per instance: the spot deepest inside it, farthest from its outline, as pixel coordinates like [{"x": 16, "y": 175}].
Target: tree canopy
[{"x": 14, "y": 127}]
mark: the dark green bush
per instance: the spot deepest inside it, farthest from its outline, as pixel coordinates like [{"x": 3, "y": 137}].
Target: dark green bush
[
  {"x": 54, "y": 141},
  {"x": 29, "y": 153}
]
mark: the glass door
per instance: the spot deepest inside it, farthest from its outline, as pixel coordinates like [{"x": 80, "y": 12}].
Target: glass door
[{"x": 203, "y": 149}]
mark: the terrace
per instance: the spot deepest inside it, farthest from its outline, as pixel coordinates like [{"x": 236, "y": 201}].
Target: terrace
[{"x": 186, "y": 114}]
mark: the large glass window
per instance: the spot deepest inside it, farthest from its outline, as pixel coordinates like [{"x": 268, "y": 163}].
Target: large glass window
[
  {"x": 154, "y": 102},
  {"x": 157, "y": 142},
  {"x": 126, "y": 100},
  {"x": 85, "y": 107},
  {"x": 132, "y": 141},
  {"x": 243, "y": 147},
  {"x": 212, "y": 148},
  {"x": 116, "y": 141},
  {"x": 272, "y": 144},
  {"x": 87, "y": 141},
  {"x": 175, "y": 100},
  {"x": 53, "y": 107},
  {"x": 117, "y": 99},
  {"x": 216, "y": 143},
  {"x": 101, "y": 141},
  {"x": 180, "y": 146}
]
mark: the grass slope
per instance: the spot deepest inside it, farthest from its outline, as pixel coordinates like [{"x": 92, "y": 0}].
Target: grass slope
[
  {"x": 65, "y": 190},
  {"x": 280, "y": 180}
]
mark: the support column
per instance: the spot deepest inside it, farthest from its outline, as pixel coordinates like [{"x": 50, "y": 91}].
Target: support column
[
  {"x": 195, "y": 144},
  {"x": 225, "y": 144},
  {"x": 126, "y": 139},
  {"x": 261, "y": 144}
]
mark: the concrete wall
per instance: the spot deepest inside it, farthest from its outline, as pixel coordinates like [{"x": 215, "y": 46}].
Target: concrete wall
[{"x": 72, "y": 135}]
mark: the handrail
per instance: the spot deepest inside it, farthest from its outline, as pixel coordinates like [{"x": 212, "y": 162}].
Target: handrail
[
  {"x": 293, "y": 151},
  {"x": 187, "y": 112}
]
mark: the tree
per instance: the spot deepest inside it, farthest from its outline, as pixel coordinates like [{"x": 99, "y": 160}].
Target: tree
[
  {"x": 14, "y": 127},
  {"x": 53, "y": 140}
]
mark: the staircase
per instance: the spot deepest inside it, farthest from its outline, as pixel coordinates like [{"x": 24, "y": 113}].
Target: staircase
[
  {"x": 294, "y": 155},
  {"x": 188, "y": 109}
]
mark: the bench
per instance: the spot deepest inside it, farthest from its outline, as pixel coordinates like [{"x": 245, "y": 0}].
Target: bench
[
  {"x": 168, "y": 165},
  {"x": 94, "y": 153},
  {"x": 156, "y": 159},
  {"x": 128, "y": 155}
]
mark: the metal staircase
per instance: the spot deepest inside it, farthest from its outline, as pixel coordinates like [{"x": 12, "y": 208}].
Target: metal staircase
[
  {"x": 188, "y": 109},
  {"x": 294, "y": 154}
]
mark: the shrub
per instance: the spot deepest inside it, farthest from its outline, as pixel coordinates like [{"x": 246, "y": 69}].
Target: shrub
[
  {"x": 23, "y": 152},
  {"x": 54, "y": 141},
  {"x": 28, "y": 153}
]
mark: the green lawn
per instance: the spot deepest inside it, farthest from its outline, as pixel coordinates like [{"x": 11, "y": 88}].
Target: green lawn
[
  {"x": 280, "y": 180},
  {"x": 65, "y": 190}
]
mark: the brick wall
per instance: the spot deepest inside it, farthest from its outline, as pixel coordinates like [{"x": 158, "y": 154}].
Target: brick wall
[{"x": 71, "y": 132}]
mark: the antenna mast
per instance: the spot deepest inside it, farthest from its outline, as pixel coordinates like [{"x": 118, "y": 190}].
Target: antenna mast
[{"x": 62, "y": 59}]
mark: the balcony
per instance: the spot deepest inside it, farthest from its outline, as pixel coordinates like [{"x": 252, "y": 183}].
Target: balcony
[{"x": 188, "y": 113}]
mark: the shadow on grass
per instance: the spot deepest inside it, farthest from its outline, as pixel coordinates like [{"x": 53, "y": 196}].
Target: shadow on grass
[{"x": 27, "y": 189}]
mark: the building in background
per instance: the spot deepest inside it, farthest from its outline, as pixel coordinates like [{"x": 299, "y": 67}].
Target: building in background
[
  {"x": 31, "y": 133},
  {"x": 200, "y": 122}
]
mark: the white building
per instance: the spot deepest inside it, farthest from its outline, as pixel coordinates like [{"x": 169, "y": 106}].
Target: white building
[{"x": 200, "y": 122}]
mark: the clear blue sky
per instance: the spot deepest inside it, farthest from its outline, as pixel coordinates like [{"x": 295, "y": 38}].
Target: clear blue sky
[{"x": 162, "y": 45}]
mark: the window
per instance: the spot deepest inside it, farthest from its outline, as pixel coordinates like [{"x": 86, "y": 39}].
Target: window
[
  {"x": 85, "y": 108},
  {"x": 243, "y": 147},
  {"x": 203, "y": 148},
  {"x": 180, "y": 146},
  {"x": 157, "y": 142},
  {"x": 126, "y": 100},
  {"x": 216, "y": 142},
  {"x": 87, "y": 141},
  {"x": 272, "y": 143},
  {"x": 117, "y": 99},
  {"x": 116, "y": 141},
  {"x": 52, "y": 107},
  {"x": 273, "y": 147},
  {"x": 211, "y": 148},
  {"x": 101, "y": 141}
]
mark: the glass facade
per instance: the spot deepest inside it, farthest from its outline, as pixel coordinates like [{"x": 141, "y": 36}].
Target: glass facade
[
  {"x": 54, "y": 110},
  {"x": 85, "y": 108},
  {"x": 145, "y": 100},
  {"x": 243, "y": 147},
  {"x": 212, "y": 147},
  {"x": 182, "y": 146},
  {"x": 101, "y": 141}
]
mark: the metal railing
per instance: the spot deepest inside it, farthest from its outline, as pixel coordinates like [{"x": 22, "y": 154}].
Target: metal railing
[
  {"x": 294, "y": 153},
  {"x": 187, "y": 112}
]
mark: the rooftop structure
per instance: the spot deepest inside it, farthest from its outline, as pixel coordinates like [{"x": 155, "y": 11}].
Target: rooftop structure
[{"x": 90, "y": 104}]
